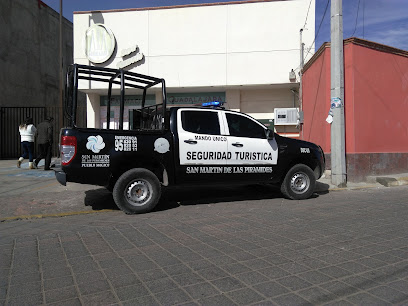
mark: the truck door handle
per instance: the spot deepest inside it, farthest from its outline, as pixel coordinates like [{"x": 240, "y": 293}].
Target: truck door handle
[
  {"x": 282, "y": 148},
  {"x": 237, "y": 144},
  {"x": 189, "y": 141}
]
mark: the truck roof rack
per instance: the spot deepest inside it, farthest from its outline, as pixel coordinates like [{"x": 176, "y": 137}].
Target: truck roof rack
[{"x": 120, "y": 77}]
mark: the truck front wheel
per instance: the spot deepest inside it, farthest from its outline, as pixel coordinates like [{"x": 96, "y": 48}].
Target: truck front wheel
[
  {"x": 299, "y": 183},
  {"x": 137, "y": 191}
]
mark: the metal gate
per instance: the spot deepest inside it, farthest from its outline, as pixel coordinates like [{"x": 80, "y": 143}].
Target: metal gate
[{"x": 12, "y": 117}]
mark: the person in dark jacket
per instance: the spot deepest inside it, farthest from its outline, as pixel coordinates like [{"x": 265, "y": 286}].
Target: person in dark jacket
[{"x": 44, "y": 140}]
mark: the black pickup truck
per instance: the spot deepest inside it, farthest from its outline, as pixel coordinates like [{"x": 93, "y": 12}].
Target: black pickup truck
[{"x": 177, "y": 146}]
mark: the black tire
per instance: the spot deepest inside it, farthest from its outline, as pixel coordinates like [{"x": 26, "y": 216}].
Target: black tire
[
  {"x": 299, "y": 183},
  {"x": 137, "y": 191}
]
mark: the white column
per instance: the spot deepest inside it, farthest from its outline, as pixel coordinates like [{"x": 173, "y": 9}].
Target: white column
[{"x": 93, "y": 113}]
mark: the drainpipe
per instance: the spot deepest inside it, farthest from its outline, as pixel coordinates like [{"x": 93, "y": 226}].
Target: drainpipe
[
  {"x": 61, "y": 103},
  {"x": 302, "y": 47}
]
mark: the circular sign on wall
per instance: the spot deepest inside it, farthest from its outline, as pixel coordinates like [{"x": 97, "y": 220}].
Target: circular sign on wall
[{"x": 99, "y": 43}]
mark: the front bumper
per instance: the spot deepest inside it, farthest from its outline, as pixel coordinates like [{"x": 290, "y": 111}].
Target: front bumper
[
  {"x": 61, "y": 176},
  {"x": 322, "y": 162}
]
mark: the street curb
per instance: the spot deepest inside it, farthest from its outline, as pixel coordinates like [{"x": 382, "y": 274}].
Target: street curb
[
  {"x": 377, "y": 181},
  {"x": 40, "y": 216},
  {"x": 352, "y": 188},
  {"x": 391, "y": 181}
]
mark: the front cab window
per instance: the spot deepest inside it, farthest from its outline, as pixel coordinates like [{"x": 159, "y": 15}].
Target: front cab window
[{"x": 241, "y": 126}]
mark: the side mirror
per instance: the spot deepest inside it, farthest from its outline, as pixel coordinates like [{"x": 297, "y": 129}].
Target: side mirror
[{"x": 269, "y": 134}]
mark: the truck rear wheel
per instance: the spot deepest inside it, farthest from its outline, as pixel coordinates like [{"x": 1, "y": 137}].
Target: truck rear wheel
[
  {"x": 299, "y": 183},
  {"x": 137, "y": 191}
]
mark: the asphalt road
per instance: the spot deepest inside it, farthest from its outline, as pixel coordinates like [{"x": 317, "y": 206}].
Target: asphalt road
[{"x": 218, "y": 246}]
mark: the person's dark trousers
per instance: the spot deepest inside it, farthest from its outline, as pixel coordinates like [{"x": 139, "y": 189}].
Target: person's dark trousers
[
  {"x": 28, "y": 150},
  {"x": 45, "y": 152}
]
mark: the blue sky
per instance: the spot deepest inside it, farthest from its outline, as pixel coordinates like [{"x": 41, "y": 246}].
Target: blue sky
[{"x": 382, "y": 21}]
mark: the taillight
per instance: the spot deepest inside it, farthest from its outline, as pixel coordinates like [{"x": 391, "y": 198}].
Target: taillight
[{"x": 68, "y": 149}]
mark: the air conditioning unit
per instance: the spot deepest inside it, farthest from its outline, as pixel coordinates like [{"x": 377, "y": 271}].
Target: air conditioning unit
[{"x": 286, "y": 116}]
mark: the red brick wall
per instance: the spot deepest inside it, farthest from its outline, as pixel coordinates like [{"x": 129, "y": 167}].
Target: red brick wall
[
  {"x": 380, "y": 105},
  {"x": 376, "y": 100},
  {"x": 316, "y": 101},
  {"x": 376, "y": 107}
]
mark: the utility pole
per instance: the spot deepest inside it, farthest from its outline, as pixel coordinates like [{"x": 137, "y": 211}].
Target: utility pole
[{"x": 338, "y": 152}]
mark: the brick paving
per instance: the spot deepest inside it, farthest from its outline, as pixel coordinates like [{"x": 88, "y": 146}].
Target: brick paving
[
  {"x": 36, "y": 192},
  {"x": 339, "y": 248}
]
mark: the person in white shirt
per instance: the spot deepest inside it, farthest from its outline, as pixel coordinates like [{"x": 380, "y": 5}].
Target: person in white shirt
[{"x": 27, "y": 133}]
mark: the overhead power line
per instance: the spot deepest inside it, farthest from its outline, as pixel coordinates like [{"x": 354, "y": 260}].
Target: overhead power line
[
  {"x": 355, "y": 26},
  {"x": 318, "y": 30},
  {"x": 307, "y": 14},
  {"x": 363, "y": 15}
]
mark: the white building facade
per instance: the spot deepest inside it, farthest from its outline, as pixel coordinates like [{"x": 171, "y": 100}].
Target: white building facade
[{"x": 239, "y": 52}]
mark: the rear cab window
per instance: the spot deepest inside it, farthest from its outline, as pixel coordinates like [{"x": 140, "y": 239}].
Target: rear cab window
[{"x": 200, "y": 122}]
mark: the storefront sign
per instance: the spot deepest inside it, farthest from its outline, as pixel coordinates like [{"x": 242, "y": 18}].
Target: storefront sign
[
  {"x": 131, "y": 100},
  {"x": 195, "y": 98},
  {"x": 99, "y": 43}
]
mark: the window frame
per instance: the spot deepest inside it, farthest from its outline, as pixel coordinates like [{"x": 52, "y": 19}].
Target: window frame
[
  {"x": 247, "y": 117},
  {"x": 220, "y": 120}
]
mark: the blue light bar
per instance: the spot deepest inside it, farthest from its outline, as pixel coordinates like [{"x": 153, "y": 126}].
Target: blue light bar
[{"x": 213, "y": 103}]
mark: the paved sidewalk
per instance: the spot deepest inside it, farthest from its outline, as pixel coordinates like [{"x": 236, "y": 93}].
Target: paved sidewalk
[
  {"x": 26, "y": 192},
  {"x": 36, "y": 193},
  {"x": 338, "y": 248}
]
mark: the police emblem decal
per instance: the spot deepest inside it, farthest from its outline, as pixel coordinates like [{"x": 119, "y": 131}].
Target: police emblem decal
[
  {"x": 95, "y": 143},
  {"x": 161, "y": 145}
]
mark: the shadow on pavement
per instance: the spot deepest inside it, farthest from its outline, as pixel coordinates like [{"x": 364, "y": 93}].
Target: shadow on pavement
[
  {"x": 100, "y": 199},
  {"x": 173, "y": 197},
  {"x": 321, "y": 188},
  {"x": 180, "y": 196}
]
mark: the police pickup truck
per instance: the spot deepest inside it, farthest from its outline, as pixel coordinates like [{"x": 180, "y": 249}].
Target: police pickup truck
[{"x": 176, "y": 146}]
